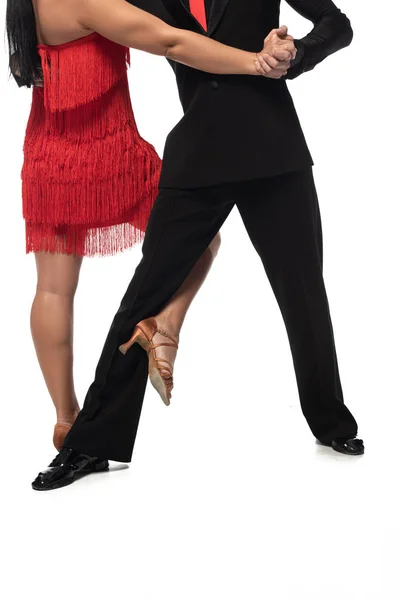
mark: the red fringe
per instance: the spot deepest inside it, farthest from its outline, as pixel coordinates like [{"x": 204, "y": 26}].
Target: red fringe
[
  {"x": 79, "y": 72},
  {"x": 89, "y": 179},
  {"x": 80, "y": 241}
]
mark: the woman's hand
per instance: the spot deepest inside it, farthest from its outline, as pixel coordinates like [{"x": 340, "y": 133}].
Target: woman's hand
[
  {"x": 279, "y": 50},
  {"x": 270, "y": 67}
]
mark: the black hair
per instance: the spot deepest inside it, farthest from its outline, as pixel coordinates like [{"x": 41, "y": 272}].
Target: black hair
[{"x": 24, "y": 60}]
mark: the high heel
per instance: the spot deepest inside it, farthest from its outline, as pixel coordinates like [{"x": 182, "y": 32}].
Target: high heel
[
  {"x": 160, "y": 370},
  {"x": 60, "y": 433}
]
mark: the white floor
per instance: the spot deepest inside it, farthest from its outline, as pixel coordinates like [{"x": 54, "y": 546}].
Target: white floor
[
  {"x": 228, "y": 496},
  {"x": 202, "y": 514}
]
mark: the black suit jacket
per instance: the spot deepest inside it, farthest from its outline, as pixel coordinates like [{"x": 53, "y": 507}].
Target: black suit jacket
[{"x": 239, "y": 128}]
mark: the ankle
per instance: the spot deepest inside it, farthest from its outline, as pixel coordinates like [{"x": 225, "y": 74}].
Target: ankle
[
  {"x": 168, "y": 324},
  {"x": 67, "y": 417}
]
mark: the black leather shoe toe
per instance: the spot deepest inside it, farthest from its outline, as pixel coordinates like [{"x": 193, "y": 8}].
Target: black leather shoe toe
[
  {"x": 351, "y": 446},
  {"x": 67, "y": 466}
]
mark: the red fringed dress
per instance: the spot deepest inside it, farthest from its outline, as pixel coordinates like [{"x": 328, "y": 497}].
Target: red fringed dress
[{"x": 89, "y": 180}]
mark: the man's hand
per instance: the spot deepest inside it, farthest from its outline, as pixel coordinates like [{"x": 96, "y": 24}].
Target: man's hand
[{"x": 274, "y": 59}]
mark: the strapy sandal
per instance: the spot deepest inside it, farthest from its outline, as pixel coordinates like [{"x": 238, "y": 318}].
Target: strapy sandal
[{"x": 160, "y": 369}]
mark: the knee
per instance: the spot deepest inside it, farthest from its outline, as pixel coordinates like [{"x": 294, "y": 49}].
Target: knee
[
  {"x": 215, "y": 245},
  {"x": 55, "y": 290},
  {"x": 57, "y": 275}
]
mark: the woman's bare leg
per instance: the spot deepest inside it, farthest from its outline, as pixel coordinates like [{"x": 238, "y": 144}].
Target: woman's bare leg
[
  {"x": 171, "y": 318},
  {"x": 52, "y": 328},
  {"x": 52, "y": 321}
]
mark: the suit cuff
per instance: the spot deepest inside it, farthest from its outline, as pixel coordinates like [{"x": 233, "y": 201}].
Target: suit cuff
[{"x": 298, "y": 65}]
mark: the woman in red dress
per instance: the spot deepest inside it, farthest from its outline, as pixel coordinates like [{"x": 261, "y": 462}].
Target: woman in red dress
[{"x": 89, "y": 179}]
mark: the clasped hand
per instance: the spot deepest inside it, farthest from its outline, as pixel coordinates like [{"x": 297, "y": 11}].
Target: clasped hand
[{"x": 274, "y": 59}]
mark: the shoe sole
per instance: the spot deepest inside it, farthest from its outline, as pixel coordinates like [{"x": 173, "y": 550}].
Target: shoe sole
[
  {"x": 360, "y": 453},
  {"x": 157, "y": 381},
  {"x": 154, "y": 374}
]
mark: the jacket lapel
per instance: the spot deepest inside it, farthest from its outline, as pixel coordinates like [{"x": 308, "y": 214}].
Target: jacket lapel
[
  {"x": 180, "y": 11},
  {"x": 218, "y": 8}
]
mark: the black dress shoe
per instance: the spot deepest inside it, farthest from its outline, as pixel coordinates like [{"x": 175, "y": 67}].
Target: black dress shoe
[
  {"x": 67, "y": 466},
  {"x": 350, "y": 446}
]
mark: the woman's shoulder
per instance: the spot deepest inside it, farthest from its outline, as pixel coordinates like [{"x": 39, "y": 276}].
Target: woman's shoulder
[{"x": 57, "y": 21}]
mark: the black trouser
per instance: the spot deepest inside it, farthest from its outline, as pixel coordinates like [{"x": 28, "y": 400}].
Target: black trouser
[{"x": 281, "y": 215}]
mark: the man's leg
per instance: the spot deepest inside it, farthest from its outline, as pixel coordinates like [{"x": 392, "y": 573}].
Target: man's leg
[
  {"x": 282, "y": 218},
  {"x": 181, "y": 226}
]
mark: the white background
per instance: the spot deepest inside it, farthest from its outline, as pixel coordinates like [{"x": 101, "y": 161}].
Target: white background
[{"x": 228, "y": 496}]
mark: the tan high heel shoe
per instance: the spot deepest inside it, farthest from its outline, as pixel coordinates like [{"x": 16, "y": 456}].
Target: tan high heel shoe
[
  {"x": 160, "y": 370},
  {"x": 60, "y": 433}
]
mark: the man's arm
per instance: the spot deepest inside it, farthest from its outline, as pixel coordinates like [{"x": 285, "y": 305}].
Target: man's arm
[{"x": 332, "y": 32}]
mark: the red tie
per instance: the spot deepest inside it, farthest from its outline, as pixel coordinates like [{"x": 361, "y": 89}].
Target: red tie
[{"x": 198, "y": 10}]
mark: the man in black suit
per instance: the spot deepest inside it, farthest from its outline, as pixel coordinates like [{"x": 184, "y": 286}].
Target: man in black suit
[{"x": 239, "y": 143}]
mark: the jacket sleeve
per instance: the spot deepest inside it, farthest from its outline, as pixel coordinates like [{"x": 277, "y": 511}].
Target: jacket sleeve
[{"x": 331, "y": 32}]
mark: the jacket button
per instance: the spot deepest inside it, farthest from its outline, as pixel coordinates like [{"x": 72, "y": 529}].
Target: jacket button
[{"x": 214, "y": 85}]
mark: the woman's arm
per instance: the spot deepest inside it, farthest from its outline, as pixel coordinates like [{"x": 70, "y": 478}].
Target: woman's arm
[
  {"x": 122, "y": 23},
  {"x": 332, "y": 32}
]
